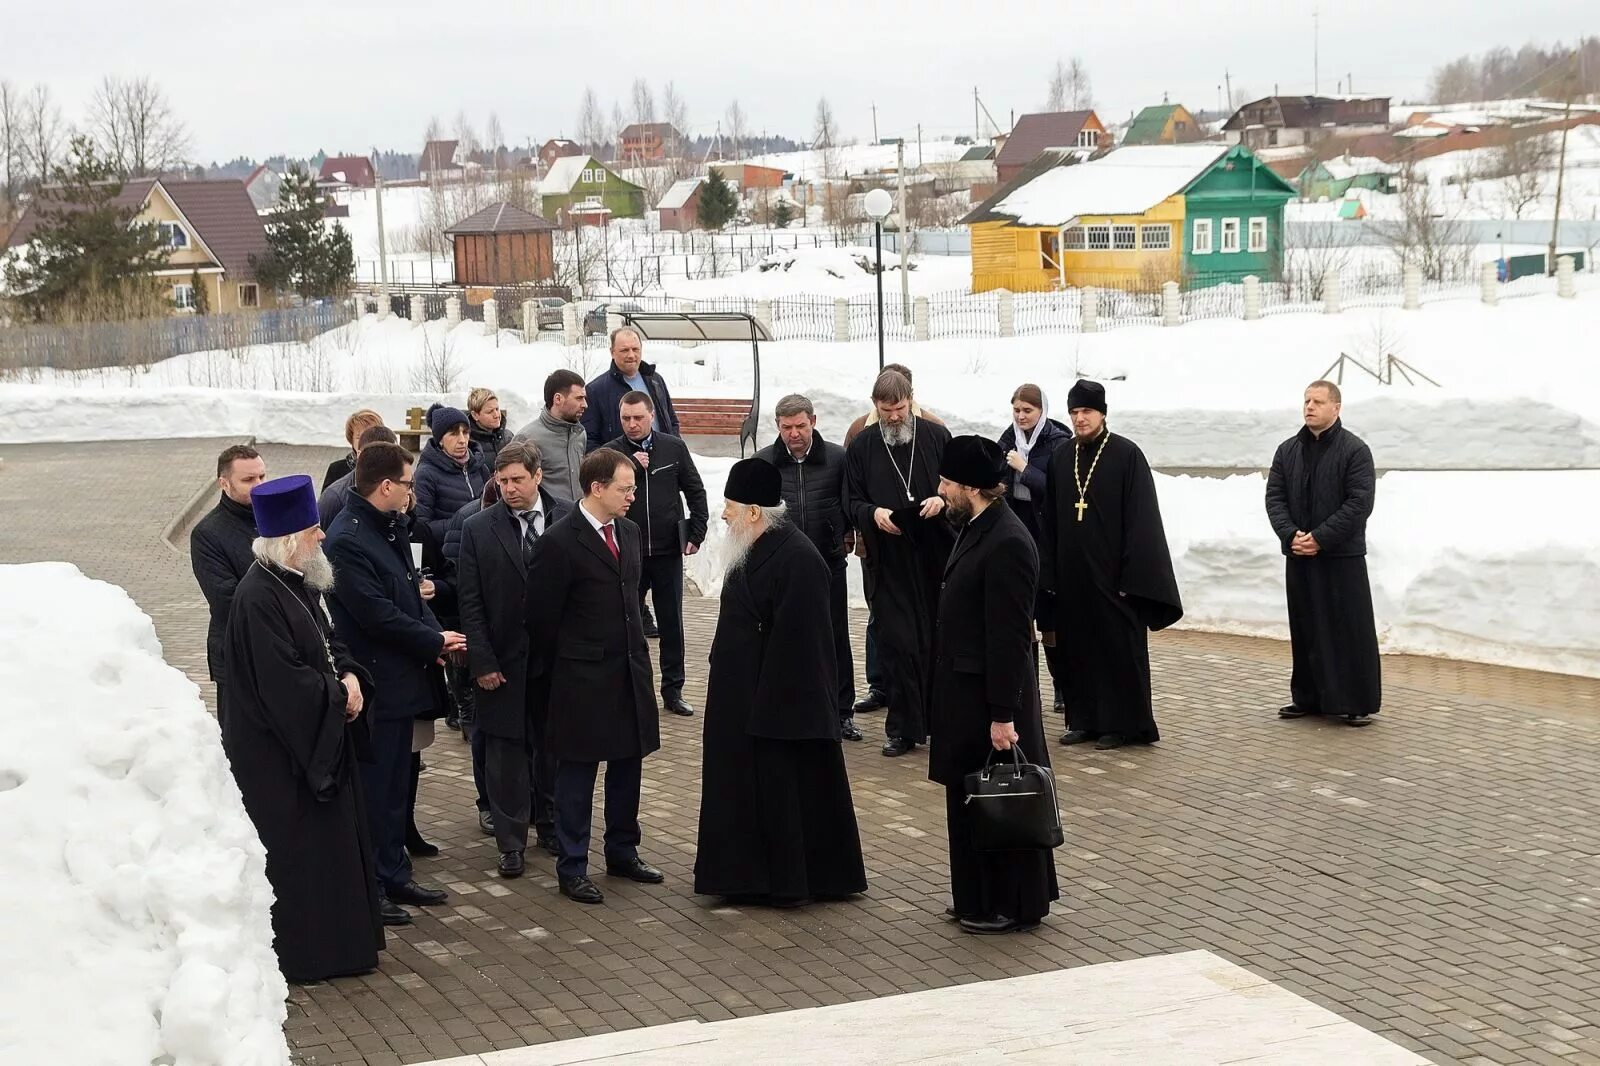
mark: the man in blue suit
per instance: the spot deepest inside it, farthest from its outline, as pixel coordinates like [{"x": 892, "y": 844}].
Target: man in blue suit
[{"x": 377, "y": 608}]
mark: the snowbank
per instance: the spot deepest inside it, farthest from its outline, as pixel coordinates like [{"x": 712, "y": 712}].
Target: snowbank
[{"x": 134, "y": 892}]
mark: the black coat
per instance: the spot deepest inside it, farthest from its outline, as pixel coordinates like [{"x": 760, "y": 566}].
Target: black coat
[
  {"x": 591, "y": 682},
  {"x": 603, "y": 419},
  {"x": 378, "y": 611},
  {"x": 984, "y": 666},
  {"x": 658, "y": 500},
  {"x": 444, "y": 486},
  {"x": 814, "y": 491},
  {"x": 339, "y": 468},
  {"x": 219, "y": 551},
  {"x": 492, "y": 588},
  {"x": 1324, "y": 486},
  {"x": 452, "y": 534},
  {"x": 489, "y": 441},
  {"x": 1053, "y": 436}
]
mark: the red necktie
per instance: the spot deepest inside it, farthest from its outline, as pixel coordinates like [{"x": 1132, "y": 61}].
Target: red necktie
[{"x": 611, "y": 542}]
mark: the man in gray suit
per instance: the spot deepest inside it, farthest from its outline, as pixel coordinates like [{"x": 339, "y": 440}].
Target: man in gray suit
[{"x": 496, "y": 546}]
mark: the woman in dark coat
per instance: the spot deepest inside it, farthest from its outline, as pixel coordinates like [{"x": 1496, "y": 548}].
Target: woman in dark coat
[
  {"x": 1028, "y": 443},
  {"x": 488, "y": 429},
  {"x": 439, "y": 592},
  {"x": 985, "y": 691},
  {"x": 354, "y": 426},
  {"x": 450, "y": 473}
]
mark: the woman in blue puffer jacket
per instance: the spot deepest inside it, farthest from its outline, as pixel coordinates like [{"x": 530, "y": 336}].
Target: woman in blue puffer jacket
[{"x": 450, "y": 472}]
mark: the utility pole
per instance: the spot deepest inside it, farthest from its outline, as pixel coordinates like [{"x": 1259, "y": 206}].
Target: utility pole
[
  {"x": 1227, "y": 80},
  {"x": 1561, "y": 174},
  {"x": 383, "y": 244},
  {"x": 976, "y": 136},
  {"x": 874, "y": 123},
  {"x": 919, "y": 146},
  {"x": 905, "y": 278},
  {"x": 1316, "y": 49}
]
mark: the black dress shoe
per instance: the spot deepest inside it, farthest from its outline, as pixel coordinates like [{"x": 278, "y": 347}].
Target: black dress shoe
[
  {"x": 997, "y": 924},
  {"x": 1109, "y": 741},
  {"x": 1061, "y": 705},
  {"x": 391, "y": 914},
  {"x": 420, "y": 848},
  {"x": 1075, "y": 736},
  {"x": 674, "y": 703},
  {"x": 418, "y": 895},
  {"x": 581, "y": 890},
  {"x": 848, "y": 730},
  {"x": 1292, "y": 711},
  {"x": 486, "y": 823},
  {"x": 872, "y": 701},
  {"x": 897, "y": 746},
  {"x": 1357, "y": 720},
  {"x": 511, "y": 864},
  {"x": 547, "y": 843},
  {"x": 953, "y": 915},
  {"x": 635, "y": 869},
  {"x": 649, "y": 620}
]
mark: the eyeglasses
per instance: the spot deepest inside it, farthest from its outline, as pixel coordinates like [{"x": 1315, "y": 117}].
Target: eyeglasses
[{"x": 408, "y": 484}]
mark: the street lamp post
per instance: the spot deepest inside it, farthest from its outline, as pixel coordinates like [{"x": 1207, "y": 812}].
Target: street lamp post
[{"x": 879, "y": 203}]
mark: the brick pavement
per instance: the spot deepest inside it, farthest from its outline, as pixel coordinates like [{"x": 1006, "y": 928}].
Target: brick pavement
[{"x": 1432, "y": 878}]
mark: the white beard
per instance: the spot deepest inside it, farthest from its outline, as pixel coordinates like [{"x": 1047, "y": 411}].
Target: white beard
[
  {"x": 896, "y": 434},
  {"x": 737, "y": 544},
  {"x": 318, "y": 571}
]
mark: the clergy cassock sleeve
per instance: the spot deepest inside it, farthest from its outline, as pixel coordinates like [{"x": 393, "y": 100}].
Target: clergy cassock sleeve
[
  {"x": 797, "y": 691},
  {"x": 1146, "y": 563},
  {"x": 301, "y": 703},
  {"x": 1360, "y": 481},
  {"x": 1008, "y": 598},
  {"x": 1053, "y": 499}
]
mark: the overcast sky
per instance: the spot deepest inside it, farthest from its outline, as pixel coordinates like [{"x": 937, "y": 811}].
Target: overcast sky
[{"x": 295, "y": 76}]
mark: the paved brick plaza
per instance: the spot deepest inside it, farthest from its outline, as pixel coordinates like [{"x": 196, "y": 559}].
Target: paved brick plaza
[{"x": 1432, "y": 878}]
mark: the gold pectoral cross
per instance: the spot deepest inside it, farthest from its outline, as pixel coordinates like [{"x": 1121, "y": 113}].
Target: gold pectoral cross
[{"x": 1082, "y": 505}]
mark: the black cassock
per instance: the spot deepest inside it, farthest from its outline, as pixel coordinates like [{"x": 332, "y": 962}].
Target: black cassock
[
  {"x": 906, "y": 569},
  {"x": 1111, "y": 579},
  {"x": 293, "y": 756},
  {"x": 776, "y": 818}
]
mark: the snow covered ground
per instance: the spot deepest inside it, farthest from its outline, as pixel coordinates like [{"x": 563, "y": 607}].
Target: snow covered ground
[
  {"x": 830, "y": 272},
  {"x": 135, "y": 893}
]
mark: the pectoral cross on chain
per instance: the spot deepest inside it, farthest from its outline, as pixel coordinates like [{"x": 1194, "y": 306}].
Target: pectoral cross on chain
[{"x": 1082, "y": 505}]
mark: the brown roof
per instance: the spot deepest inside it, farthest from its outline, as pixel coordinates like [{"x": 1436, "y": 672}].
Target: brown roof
[
  {"x": 357, "y": 170},
  {"x": 1034, "y": 133},
  {"x": 1311, "y": 112},
  {"x": 635, "y": 130},
  {"x": 437, "y": 155},
  {"x": 220, "y": 214},
  {"x": 1048, "y": 159},
  {"x": 501, "y": 218}
]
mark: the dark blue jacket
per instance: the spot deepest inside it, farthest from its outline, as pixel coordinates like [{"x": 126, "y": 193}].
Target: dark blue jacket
[
  {"x": 444, "y": 486},
  {"x": 603, "y": 419},
  {"x": 378, "y": 611},
  {"x": 452, "y": 533},
  {"x": 1053, "y": 436}
]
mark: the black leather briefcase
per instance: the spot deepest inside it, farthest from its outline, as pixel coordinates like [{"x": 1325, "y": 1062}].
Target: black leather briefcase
[{"x": 1012, "y": 805}]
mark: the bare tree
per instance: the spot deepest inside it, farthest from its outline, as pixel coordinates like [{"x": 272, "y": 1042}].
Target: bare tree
[
  {"x": 591, "y": 122},
  {"x": 496, "y": 136},
  {"x": 1056, "y": 96},
  {"x": 42, "y": 131},
  {"x": 675, "y": 113},
  {"x": 134, "y": 126},
  {"x": 644, "y": 102},
  {"x": 619, "y": 122},
  {"x": 13, "y": 174},
  {"x": 1424, "y": 236},
  {"x": 1069, "y": 87},
  {"x": 825, "y": 137},
  {"x": 738, "y": 128},
  {"x": 1525, "y": 162},
  {"x": 466, "y": 136}
]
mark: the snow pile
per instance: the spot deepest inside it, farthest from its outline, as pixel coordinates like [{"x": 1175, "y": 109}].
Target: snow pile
[
  {"x": 135, "y": 889},
  {"x": 1500, "y": 567},
  {"x": 828, "y": 272}
]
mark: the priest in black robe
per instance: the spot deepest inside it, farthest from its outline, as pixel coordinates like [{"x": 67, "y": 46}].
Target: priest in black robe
[
  {"x": 891, "y": 485},
  {"x": 1107, "y": 574},
  {"x": 1320, "y": 494},
  {"x": 777, "y": 823},
  {"x": 291, "y": 736}
]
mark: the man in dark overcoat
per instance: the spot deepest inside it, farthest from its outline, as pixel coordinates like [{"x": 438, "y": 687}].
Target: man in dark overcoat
[
  {"x": 777, "y": 825},
  {"x": 589, "y": 673},
  {"x": 986, "y": 685},
  {"x": 219, "y": 549},
  {"x": 492, "y": 585}
]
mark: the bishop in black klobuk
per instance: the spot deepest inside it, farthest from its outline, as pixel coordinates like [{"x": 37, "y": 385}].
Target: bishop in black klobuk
[
  {"x": 1107, "y": 575},
  {"x": 777, "y": 824}
]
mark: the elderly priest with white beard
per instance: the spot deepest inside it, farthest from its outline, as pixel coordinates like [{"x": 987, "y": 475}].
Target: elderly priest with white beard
[
  {"x": 777, "y": 825},
  {"x": 291, "y": 734}
]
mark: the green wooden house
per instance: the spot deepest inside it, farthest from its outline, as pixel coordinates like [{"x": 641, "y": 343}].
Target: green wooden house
[
  {"x": 1233, "y": 221},
  {"x": 580, "y": 181},
  {"x": 1330, "y": 179},
  {"x": 1163, "y": 124}
]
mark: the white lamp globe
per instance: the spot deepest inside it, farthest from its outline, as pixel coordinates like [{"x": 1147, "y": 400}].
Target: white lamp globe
[{"x": 878, "y": 203}]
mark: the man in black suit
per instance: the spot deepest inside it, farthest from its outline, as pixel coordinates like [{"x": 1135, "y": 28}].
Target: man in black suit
[
  {"x": 492, "y": 585},
  {"x": 378, "y": 611},
  {"x": 589, "y": 671},
  {"x": 664, "y": 476},
  {"x": 219, "y": 549}
]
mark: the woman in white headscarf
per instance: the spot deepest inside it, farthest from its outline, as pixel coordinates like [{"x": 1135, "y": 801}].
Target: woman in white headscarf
[{"x": 1028, "y": 442}]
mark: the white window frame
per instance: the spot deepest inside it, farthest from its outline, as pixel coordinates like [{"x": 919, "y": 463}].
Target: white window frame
[
  {"x": 1123, "y": 229},
  {"x": 1073, "y": 240},
  {"x": 599, "y": 175},
  {"x": 1202, "y": 237},
  {"x": 1230, "y": 227},
  {"x": 1258, "y": 234},
  {"x": 1163, "y": 228},
  {"x": 588, "y": 176},
  {"x": 1088, "y": 138},
  {"x": 178, "y": 300},
  {"x": 173, "y": 235},
  {"x": 255, "y": 294},
  {"x": 1091, "y": 232}
]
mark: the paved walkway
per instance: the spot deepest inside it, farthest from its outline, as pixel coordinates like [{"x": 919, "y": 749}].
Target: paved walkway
[{"x": 1432, "y": 878}]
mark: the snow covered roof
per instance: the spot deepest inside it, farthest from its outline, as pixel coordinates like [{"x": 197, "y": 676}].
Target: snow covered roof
[
  {"x": 1349, "y": 166},
  {"x": 1128, "y": 181},
  {"x": 679, "y": 194},
  {"x": 564, "y": 174}
]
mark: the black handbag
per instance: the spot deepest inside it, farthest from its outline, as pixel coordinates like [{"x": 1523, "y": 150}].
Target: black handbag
[{"x": 1012, "y": 806}]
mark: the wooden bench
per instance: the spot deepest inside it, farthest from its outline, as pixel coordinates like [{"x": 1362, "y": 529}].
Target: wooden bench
[
  {"x": 416, "y": 429},
  {"x": 710, "y": 417}
]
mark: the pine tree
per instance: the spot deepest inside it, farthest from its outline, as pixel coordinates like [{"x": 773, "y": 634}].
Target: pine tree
[
  {"x": 303, "y": 255},
  {"x": 202, "y": 302},
  {"x": 782, "y": 215},
  {"x": 88, "y": 259},
  {"x": 719, "y": 202}
]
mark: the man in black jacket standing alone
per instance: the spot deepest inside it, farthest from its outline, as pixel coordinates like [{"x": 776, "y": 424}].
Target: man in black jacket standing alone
[
  {"x": 813, "y": 490},
  {"x": 219, "y": 549},
  {"x": 1319, "y": 496},
  {"x": 666, "y": 476}
]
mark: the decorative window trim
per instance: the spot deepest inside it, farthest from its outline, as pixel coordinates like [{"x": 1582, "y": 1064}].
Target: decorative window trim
[
  {"x": 1088, "y": 138},
  {"x": 1163, "y": 233},
  {"x": 1073, "y": 240},
  {"x": 1229, "y": 244},
  {"x": 1258, "y": 234},
  {"x": 588, "y": 176},
  {"x": 1098, "y": 238},
  {"x": 178, "y": 299},
  {"x": 1202, "y": 237},
  {"x": 1124, "y": 238},
  {"x": 599, "y": 175}
]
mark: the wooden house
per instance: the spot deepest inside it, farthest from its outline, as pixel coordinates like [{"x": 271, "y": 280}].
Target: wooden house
[
  {"x": 502, "y": 245},
  {"x": 557, "y": 148},
  {"x": 583, "y": 179},
  {"x": 1076, "y": 131},
  {"x": 1163, "y": 124},
  {"x": 1330, "y": 179},
  {"x": 1134, "y": 218},
  {"x": 679, "y": 208},
  {"x": 347, "y": 172},
  {"x": 643, "y": 143},
  {"x": 747, "y": 176},
  {"x": 1286, "y": 121}
]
